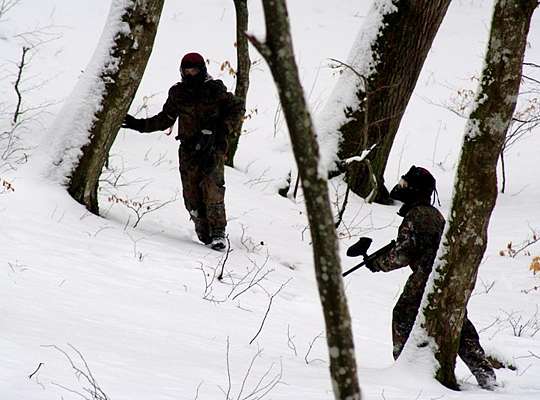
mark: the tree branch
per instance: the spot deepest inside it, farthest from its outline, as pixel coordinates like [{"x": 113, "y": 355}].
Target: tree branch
[
  {"x": 261, "y": 47},
  {"x": 20, "y": 67}
]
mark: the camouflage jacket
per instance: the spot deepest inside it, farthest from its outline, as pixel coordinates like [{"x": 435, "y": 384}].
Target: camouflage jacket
[
  {"x": 208, "y": 107},
  {"x": 417, "y": 242}
]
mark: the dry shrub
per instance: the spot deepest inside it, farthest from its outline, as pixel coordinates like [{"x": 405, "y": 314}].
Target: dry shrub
[{"x": 535, "y": 265}]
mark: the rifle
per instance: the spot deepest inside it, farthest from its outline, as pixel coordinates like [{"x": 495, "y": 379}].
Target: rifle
[{"x": 381, "y": 251}]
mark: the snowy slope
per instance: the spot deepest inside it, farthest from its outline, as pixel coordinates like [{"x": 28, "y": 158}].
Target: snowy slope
[{"x": 141, "y": 305}]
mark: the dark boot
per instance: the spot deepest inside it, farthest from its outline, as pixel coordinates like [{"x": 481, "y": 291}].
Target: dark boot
[
  {"x": 218, "y": 242},
  {"x": 472, "y": 354},
  {"x": 486, "y": 379}
]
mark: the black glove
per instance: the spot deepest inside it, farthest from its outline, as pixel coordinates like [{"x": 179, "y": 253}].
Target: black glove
[
  {"x": 130, "y": 122},
  {"x": 370, "y": 264}
]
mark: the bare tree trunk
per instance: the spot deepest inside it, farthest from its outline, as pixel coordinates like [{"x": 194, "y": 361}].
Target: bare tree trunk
[
  {"x": 130, "y": 52},
  {"x": 279, "y": 55},
  {"x": 475, "y": 189},
  {"x": 243, "y": 65},
  {"x": 390, "y": 66}
]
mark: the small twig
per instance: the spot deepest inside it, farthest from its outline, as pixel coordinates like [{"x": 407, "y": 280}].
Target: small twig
[
  {"x": 268, "y": 310},
  {"x": 197, "y": 390},
  {"x": 35, "y": 372},
  {"x": 497, "y": 321},
  {"x": 70, "y": 390},
  {"x": 343, "y": 206},
  {"x": 487, "y": 287},
  {"x": 354, "y": 71},
  {"x": 311, "y": 346},
  {"x": 531, "y": 79},
  {"x": 17, "y": 82},
  {"x": 530, "y": 64},
  {"x": 531, "y": 354},
  {"x": 255, "y": 278},
  {"x": 6, "y": 5},
  {"x": 525, "y": 370},
  {"x": 527, "y": 291},
  {"x": 141, "y": 208},
  {"x": 250, "y": 366},
  {"x": 137, "y": 254},
  {"x": 525, "y": 246},
  {"x": 94, "y": 390},
  {"x": 266, "y": 388},
  {"x": 263, "y": 320},
  {"x": 208, "y": 284},
  {"x": 247, "y": 241},
  {"x": 228, "y": 372},
  {"x": 277, "y": 121},
  {"x": 290, "y": 343},
  {"x": 220, "y": 276}
]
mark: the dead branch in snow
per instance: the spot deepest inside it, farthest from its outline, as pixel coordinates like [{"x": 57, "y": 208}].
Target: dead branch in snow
[
  {"x": 310, "y": 347},
  {"x": 263, "y": 386},
  {"x": 290, "y": 343},
  {"x": 143, "y": 207},
  {"x": 268, "y": 310},
  {"x": 91, "y": 390},
  {"x": 226, "y": 257}
]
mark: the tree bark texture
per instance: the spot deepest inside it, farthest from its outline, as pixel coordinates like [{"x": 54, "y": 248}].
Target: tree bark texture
[
  {"x": 278, "y": 52},
  {"x": 132, "y": 49},
  {"x": 400, "y": 50},
  {"x": 243, "y": 65},
  {"x": 475, "y": 190}
]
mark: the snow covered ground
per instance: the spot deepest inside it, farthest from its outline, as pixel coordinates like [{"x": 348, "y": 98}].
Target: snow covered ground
[{"x": 142, "y": 304}]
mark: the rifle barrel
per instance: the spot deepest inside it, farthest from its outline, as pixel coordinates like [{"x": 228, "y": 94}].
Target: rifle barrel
[{"x": 353, "y": 269}]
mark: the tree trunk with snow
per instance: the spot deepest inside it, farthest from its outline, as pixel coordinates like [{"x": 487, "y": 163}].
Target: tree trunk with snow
[
  {"x": 243, "y": 65},
  {"x": 385, "y": 63},
  {"x": 129, "y": 35},
  {"x": 475, "y": 190},
  {"x": 278, "y": 53}
]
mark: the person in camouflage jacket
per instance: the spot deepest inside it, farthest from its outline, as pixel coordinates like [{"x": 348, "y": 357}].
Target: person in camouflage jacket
[
  {"x": 416, "y": 246},
  {"x": 206, "y": 114}
]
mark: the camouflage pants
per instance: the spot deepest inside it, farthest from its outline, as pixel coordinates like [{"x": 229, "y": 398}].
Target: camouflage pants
[
  {"x": 404, "y": 315},
  {"x": 204, "y": 195}
]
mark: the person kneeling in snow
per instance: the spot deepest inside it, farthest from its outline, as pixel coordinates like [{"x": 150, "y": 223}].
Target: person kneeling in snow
[
  {"x": 206, "y": 115},
  {"x": 416, "y": 245}
]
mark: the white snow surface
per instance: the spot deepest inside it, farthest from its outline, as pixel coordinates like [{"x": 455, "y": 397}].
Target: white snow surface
[{"x": 139, "y": 304}]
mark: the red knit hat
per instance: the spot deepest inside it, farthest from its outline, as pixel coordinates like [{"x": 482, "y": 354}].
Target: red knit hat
[{"x": 193, "y": 60}]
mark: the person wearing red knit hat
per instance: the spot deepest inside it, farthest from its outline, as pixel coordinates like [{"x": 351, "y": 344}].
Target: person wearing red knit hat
[{"x": 206, "y": 114}]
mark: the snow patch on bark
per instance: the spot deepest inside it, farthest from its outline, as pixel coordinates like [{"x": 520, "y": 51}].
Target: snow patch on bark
[
  {"x": 362, "y": 62},
  {"x": 71, "y": 129},
  {"x": 361, "y": 157},
  {"x": 419, "y": 353},
  {"x": 472, "y": 129}
]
